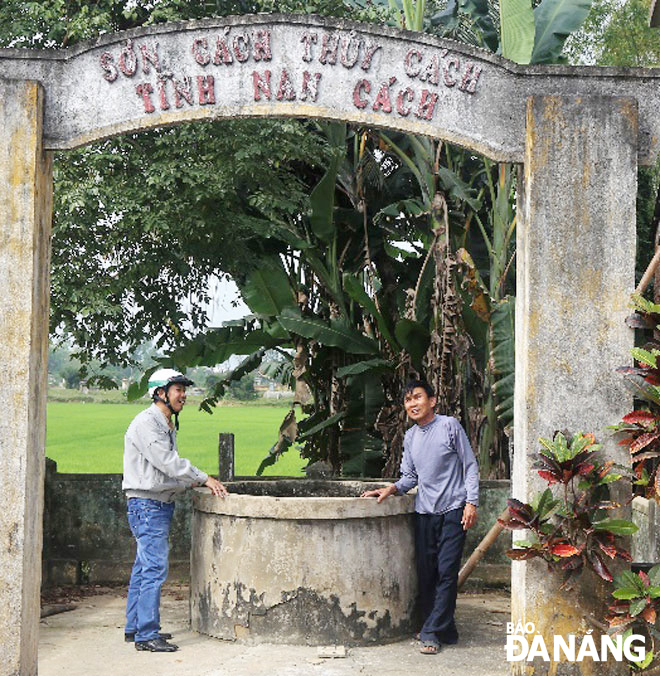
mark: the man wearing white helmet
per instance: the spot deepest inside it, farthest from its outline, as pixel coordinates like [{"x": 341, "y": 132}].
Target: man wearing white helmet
[{"x": 153, "y": 475}]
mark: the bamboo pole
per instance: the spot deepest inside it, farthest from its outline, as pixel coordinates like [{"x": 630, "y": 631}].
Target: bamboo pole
[
  {"x": 648, "y": 274},
  {"x": 482, "y": 548}
]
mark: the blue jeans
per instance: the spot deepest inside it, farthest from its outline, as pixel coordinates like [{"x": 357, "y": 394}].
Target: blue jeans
[
  {"x": 149, "y": 521},
  {"x": 439, "y": 540}
]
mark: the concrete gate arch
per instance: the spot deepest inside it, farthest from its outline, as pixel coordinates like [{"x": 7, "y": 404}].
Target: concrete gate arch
[{"x": 579, "y": 132}]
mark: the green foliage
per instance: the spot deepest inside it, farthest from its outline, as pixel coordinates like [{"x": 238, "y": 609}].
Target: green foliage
[
  {"x": 154, "y": 217},
  {"x": 361, "y": 448},
  {"x": 335, "y": 333},
  {"x": 468, "y": 21},
  {"x": 648, "y": 181},
  {"x": 616, "y": 34}
]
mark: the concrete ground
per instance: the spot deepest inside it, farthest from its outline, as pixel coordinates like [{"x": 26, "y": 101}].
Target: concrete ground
[{"x": 89, "y": 639}]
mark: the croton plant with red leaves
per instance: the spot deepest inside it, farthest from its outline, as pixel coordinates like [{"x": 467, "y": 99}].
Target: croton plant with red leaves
[
  {"x": 641, "y": 427},
  {"x": 571, "y": 529}
]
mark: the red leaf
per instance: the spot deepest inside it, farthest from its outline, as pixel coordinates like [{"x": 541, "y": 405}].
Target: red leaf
[
  {"x": 600, "y": 567},
  {"x": 649, "y": 614},
  {"x": 550, "y": 477},
  {"x": 639, "y": 469},
  {"x": 564, "y": 550},
  {"x": 624, "y": 554},
  {"x": 653, "y": 378},
  {"x": 618, "y": 621},
  {"x": 645, "y": 578},
  {"x": 610, "y": 551},
  {"x": 626, "y": 442},
  {"x": 519, "y": 510},
  {"x": 640, "y": 418},
  {"x": 584, "y": 469},
  {"x": 643, "y": 440}
]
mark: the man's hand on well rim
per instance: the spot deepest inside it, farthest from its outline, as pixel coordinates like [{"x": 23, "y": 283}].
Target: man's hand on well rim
[
  {"x": 216, "y": 487},
  {"x": 380, "y": 493}
]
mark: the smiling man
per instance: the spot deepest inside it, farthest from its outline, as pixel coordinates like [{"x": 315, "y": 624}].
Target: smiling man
[
  {"x": 438, "y": 459},
  {"x": 153, "y": 475}
]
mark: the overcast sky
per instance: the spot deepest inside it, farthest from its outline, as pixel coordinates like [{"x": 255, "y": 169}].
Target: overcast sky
[{"x": 226, "y": 304}]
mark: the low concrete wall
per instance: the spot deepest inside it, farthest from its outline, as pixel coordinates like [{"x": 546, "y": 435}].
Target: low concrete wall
[
  {"x": 86, "y": 533},
  {"x": 494, "y": 570},
  {"x": 87, "y": 539}
]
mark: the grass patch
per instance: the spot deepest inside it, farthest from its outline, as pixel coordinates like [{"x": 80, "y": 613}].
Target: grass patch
[{"x": 88, "y": 437}]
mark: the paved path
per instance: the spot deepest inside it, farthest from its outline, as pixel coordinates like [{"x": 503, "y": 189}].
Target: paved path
[{"x": 89, "y": 640}]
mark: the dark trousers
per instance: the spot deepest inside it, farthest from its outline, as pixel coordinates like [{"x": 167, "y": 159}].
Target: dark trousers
[{"x": 439, "y": 540}]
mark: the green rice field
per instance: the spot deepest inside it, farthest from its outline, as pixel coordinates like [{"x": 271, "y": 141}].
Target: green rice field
[{"x": 89, "y": 437}]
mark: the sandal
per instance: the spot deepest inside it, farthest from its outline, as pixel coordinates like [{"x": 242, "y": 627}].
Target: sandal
[{"x": 429, "y": 647}]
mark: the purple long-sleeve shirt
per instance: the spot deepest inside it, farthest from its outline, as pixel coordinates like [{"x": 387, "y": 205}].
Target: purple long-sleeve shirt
[{"x": 438, "y": 459}]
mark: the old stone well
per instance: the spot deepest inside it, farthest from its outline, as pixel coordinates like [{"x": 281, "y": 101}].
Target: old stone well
[{"x": 303, "y": 562}]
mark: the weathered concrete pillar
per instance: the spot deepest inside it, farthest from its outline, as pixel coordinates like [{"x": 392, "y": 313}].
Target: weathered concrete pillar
[
  {"x": 575, "y": 273},
  {"x": 25, "y": 221}
]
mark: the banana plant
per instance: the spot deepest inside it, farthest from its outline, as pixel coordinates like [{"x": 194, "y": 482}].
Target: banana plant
[
  {"x": 320, "y": 299},
  {"x": 527, "y": 35}
]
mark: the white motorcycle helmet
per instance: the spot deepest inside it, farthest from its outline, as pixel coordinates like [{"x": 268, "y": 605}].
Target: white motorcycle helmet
[{"x": 162, "y": 379}]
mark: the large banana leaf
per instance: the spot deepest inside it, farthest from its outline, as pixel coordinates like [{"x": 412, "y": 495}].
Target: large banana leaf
[
  {"x": 322, "y": 201},
  {"x": 267, "y": 290},
  {"x": 328, "y": 422},
  {"x": 327, "y": 278},
  {"x": 457, "y": 187},
  {"x": 337, "y": 333},
  {"x": 414, "y": 339},
  {"x": 322, "y": 198},
  {"x": 517, "y": 28},
  {"x": 217, "y": 345},
  {"x": 503, "y": 358},
  {"x": 409, "y": 206},
  {"x": 370, "y": 365},
  {"x": 353, "y": 286},
  {"x": 555, "y": 20}
]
